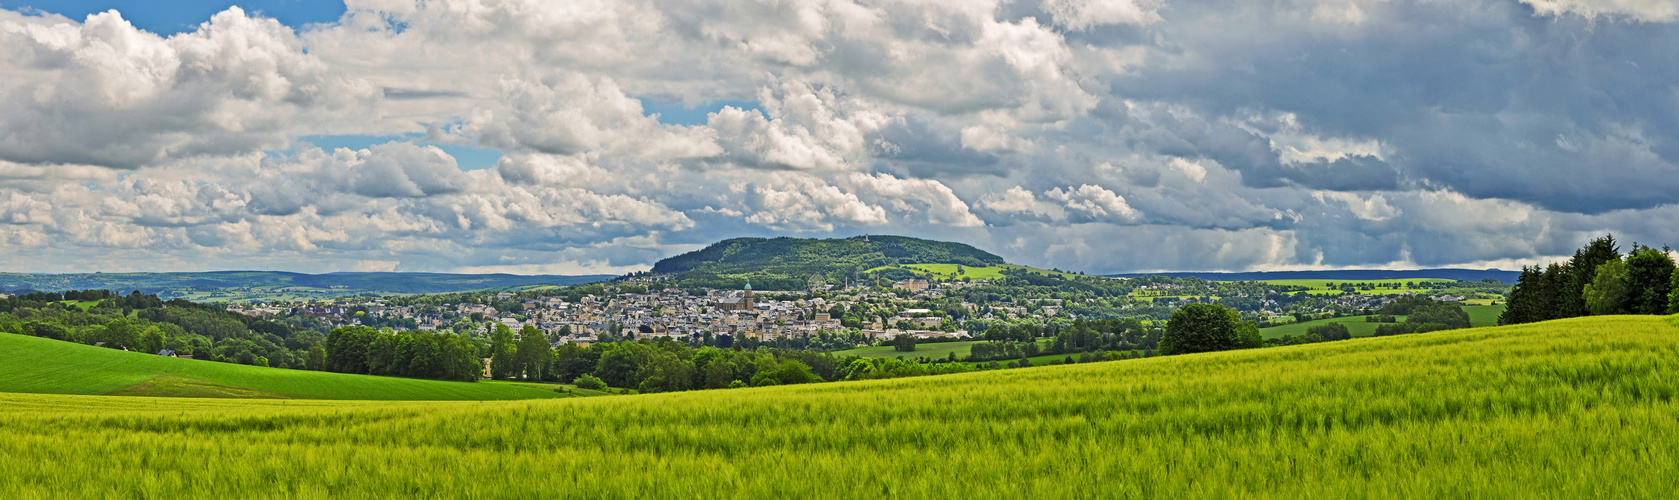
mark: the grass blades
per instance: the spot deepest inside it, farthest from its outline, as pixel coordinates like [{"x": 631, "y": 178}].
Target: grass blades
[{"x": 1573, "y": 408}]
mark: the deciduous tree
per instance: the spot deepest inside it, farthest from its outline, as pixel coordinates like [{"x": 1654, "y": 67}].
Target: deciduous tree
[
  {"x": 1203, "y": 328},
  {"x": 1606, "y": 294},
  {"x": 1649, "y": 280}
]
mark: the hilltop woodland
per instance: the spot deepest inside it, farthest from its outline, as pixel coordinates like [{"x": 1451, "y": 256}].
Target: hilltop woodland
[{"x": 1598, "y": 280}]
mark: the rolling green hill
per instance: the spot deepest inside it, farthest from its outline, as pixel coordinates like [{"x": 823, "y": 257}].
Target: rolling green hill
[
  {"x": 1577, "y": 408},
  {"x": 788, "y": 263},
  {"x": 45, "y": 366}
]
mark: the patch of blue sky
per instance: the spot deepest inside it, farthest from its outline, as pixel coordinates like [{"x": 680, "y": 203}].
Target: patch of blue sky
[
  {"x": 674, "y": 113},
  {"x": 176, "y": 16},
  {"x": 466, "y": 157}
]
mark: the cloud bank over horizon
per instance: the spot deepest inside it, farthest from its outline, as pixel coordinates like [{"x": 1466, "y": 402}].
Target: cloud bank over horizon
[{"x": 1105, "y": 136}]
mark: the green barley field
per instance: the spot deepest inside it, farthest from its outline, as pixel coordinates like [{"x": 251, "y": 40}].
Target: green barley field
[
  {"x": 38, "y": 365},
  {"x": 1578, "y": 408}
]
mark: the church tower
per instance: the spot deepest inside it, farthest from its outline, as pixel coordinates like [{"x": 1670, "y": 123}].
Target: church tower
[{"x": 746, "y": 299}]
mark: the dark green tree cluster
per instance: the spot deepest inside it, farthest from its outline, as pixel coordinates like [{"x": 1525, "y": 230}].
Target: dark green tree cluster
[
  {"x": 1329, "y": 332},
  {"x": 1098, "y": 335},
  {"x": 364, "y": 350},
  {"x": 1207, "y": 327},
  {"x": 1596, "y": 281},
  {"x": 904, "y": 342},
  {"x": 787, "y": 263},
  {"x": 992, "y": 351},
  {"x": 1424, "y": 310},
  {"x": 668, "y": 366}
]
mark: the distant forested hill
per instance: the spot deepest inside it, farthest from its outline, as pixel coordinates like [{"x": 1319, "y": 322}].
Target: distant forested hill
[
  {"x": 787, "y": 263},
  {"x": 246, "y": 286}
]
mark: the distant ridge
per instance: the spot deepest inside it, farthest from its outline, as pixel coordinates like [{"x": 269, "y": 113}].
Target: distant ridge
[
  {"x": 1347, "y": 274},
  {"x": 246, "y": 286}
]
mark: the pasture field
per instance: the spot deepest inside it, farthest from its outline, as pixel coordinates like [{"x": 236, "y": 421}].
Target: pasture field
[
  {"x": 1484, "y": 315},
  {"x": 46, "y": 366},
  {"x": 1576, "y": 408},
  {"x": 1356, "y": 325},
  {"x": 1039, "y": 360},
  {"x": 84, "y": 305},
  {"x": 936, "y": 350},
  {"x": 948, "y": 271}
]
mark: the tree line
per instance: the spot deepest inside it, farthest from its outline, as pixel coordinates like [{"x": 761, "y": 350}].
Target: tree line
[
  {"x": 667, "y": 365},
  {"x": 1210, "y": 327},
  {"x": 1597, "y": 280},
  {"x": 417, "y": 354}
]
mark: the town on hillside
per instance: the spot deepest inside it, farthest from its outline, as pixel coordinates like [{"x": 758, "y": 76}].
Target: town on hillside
[{"x": 640, "y": 308}]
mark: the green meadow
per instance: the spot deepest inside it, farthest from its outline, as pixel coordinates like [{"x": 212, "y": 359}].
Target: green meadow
[
  {"x": 948, "y": 271},
  {"x": 1358, "y": 327},
  {"x": 1484, "y": 315},
  {"x": 1585, "y": 407},
  {"x": 39, "y": 365},
  {"x": 936, "y": 350}
]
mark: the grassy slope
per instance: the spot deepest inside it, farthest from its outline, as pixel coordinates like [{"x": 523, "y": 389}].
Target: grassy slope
[
  {"x": 37, "y": 365},
  {"x": 1574, "y": 408},
  {"x": 1356, "y": 325},
  {"x": 948, "y": 271},
  {"x": 1478, "y": 316}
]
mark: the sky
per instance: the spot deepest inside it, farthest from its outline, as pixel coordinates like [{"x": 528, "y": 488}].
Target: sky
[{"x": 582, "y": 137}]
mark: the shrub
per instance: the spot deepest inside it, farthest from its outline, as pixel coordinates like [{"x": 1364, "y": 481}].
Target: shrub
[{"x": 590, "y": 382}]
